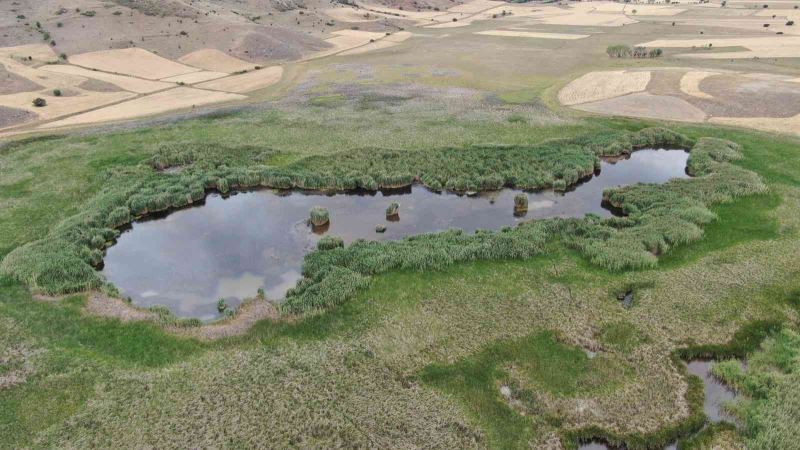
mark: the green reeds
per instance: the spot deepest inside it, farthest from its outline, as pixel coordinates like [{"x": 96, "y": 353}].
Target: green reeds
[
  {"x": 393, "y": 210},
  {"x": 520, "y": 203},
  {"x": 319, "y": 216}
]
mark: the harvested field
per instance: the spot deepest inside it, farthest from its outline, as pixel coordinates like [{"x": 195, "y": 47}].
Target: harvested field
[
  {"x": 246, "y": 82},
  {"x": 532, "y": 34},
  {"x": 690, "y": 83},
  {"x": 353, "y": 15},
  {"x": 99, "y": 86},
  {"x": 14, "y": 116},
  {"x": 135, "y": 62},
  {"x": 761, "y": 47},
  {"x": 348, "y": 39},
  {"x": 11, "y": 83},
  {"x": 36, "y": 52},
  {"x": 127, "y": 83},
  {"x": 196, "y": 77},
  {"x": 787, "y": 125},
  {"x": 42, "y": 77},
  {"x": 603, "y": 85},
  {"x": 173, "y": 99},
  {"x": 61, "y": 106},
  {"x": 647, "y": 105},
  {"x": 215, "y": 61},
  {"x": 386, "y": 42}
]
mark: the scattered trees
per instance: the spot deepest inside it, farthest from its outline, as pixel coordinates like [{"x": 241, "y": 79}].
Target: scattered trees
[{"x": 625, "y": 51}]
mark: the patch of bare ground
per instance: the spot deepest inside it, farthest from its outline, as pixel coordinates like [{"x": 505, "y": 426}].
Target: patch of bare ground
[
  {"x": 99, "y": 304},
  {"x": 160, "y": 8},
  {"x": 663, "y": 107},
  {"x": 98, "y": 86},
  {"x": 11, "y": 83},
  {"x": 14, "y": 116},
  {"x": 245, "y": 317},
  {"x": 737, "y": 96}
]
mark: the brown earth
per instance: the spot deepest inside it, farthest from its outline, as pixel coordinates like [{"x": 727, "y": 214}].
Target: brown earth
[{"x": 14, "y": 116}]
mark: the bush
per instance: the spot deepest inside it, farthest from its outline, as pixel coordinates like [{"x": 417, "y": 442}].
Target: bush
[
  {"x": 57, "y": 92},
  {"x": 39, "y": 102}
]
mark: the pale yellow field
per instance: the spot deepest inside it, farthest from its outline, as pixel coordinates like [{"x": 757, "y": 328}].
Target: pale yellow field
[
  {"x": 603, "y": 85},
  {"x": 38, "y": 52},
  {"x": 386, "y": 42},
  {"x": 690, "y": 83},
  {"x": 215, "y": 61},
  {"x": 789, "y": 125},
  {"x": 136, "y": 62},
  {"x": 476, "y": 6},
  {"x": 762, "y": 47},
  {"x": 41, "y": 76},
  {"x": 346, "y": 40},
  {"x": 61, "y": 106},
  {"x": 173, "y": 99},
  {"x": 642, "y": 105},
  {"x": 353, "y": 15},
  {"x": 196, "y": 77},
  {"x": 132, "y": 84},
  {"x": 246, "y": 82},
  {"x": 532, "y": 34}
]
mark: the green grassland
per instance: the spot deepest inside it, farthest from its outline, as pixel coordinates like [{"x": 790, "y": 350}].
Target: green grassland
[{"x": 481, "y": 352}]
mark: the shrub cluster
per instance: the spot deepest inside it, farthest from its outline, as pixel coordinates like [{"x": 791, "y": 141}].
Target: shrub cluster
[{"x": 626, "y": 51}]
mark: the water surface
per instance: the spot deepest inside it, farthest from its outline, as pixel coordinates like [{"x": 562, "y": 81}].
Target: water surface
[{"x": 230, "y": 247}]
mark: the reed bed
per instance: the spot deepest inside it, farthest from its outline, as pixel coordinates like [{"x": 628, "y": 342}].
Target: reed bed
[{"x": 658, "y": 217}]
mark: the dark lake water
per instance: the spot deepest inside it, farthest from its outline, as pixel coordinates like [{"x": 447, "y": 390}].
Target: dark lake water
[{"x": 230, "y": 247}]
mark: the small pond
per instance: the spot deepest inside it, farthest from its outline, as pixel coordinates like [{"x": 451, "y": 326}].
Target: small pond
[{"x": 229, "y": 247}]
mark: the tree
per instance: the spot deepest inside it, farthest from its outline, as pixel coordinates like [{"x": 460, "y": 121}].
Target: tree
[{"x": 39, "y": 102}]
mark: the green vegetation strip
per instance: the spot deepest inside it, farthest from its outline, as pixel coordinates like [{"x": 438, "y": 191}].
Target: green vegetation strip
[{"x": 658, "y": 216}]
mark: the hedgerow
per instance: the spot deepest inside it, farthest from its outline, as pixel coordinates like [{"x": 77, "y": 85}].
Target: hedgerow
[{"x": 658, "y": 217}]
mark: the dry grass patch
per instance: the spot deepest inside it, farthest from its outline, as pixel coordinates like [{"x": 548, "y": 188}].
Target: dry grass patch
[
  {"x": 644, "y": 104},
  {"x": 348, "y": 39},
  {"x": 532, "y": 34},
  {"x": 37, "y": 52},
  {"x": 173, "y": 99},
  {"x": 788, "y": 125},
  {"x": 136, "y": 62},
  {"x": 127, "y": 83},
  {"x": 61, "y": 106},
  {"x": 761, "y": 47},
  {"x": 690, "y": 83},
  {"x": 251, "y": 81},
  {"x": 196, "y": 77},
  {"x": 215, "y": 61},
  {"x": 603, "y": 85}
]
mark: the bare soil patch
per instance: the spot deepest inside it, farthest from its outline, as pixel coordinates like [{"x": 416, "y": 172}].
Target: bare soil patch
[
  {"x": 647, "y": 105},
  {"x": 246, "y": 316},
  {"x": 99, "y": 86},
  {"x": 737, "y": 96},
  {"x": 14, "y": 116},
  {"x": 11, "y": 83}
]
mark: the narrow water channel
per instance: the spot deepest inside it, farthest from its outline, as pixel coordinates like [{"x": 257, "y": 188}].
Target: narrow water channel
[
  {"x": 716, "y": 394},
  {"x": 230, "y": 247}
]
